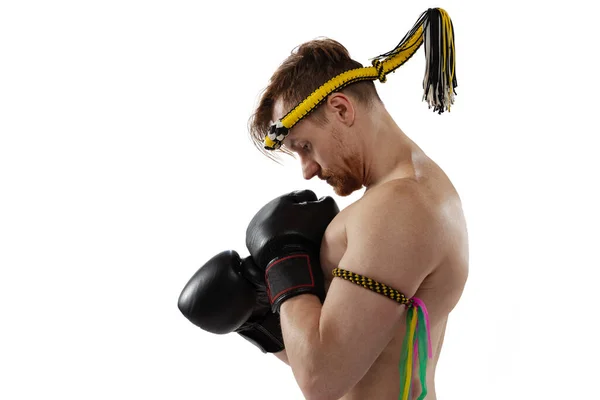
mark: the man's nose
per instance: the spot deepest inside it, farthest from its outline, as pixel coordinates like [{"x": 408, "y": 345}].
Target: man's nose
[{"x": 309, "y": 169}]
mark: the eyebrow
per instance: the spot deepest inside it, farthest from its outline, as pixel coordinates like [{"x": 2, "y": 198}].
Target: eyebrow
[{"x": 292, "y": 144}]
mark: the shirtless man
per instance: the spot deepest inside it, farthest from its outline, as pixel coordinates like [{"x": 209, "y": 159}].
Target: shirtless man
[
  {"x": 407, "y": 231},
  {"x": 341, "y": 340}
]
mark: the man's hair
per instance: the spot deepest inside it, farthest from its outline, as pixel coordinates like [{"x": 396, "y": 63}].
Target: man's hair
[{"x": 309, "y": 66}]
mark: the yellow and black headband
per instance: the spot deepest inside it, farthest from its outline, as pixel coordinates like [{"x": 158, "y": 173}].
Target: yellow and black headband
[{"x": 434, "y": 28}]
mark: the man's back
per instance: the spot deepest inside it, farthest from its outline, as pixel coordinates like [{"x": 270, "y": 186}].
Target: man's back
[{"x": 440, "y": 290}]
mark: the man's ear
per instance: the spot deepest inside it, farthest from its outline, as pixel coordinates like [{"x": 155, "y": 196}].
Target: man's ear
[{"x": 341, "y": 107}]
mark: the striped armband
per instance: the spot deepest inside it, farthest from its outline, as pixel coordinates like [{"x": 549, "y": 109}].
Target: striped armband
[{"x": 373, "y": 285}]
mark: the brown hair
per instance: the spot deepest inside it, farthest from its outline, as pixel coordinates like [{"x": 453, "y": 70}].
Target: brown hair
[{"x": 308, "y": 67}]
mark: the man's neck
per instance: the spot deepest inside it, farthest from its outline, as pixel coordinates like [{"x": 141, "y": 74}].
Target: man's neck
[{"x": 389, "y": 154}]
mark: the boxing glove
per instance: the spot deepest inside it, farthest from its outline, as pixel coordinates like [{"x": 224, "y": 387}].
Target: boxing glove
[
  {"x": 228, "y": 294},
  {"x": 284, "y": 239}
]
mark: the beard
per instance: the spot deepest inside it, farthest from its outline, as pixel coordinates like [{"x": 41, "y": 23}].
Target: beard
[
  {"x": 346, "y": 179},
  {"x": 344, "y": 185}
]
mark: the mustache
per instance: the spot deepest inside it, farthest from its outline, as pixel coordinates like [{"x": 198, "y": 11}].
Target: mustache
[{"x": 324, "y": 175}]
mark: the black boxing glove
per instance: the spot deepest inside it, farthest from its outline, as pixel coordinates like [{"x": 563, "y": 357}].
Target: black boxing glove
[
  {"x": 284, "y": 239},
  {"x": 228, "y": 294}
]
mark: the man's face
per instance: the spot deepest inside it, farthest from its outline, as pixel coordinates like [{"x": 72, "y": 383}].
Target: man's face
[{"x": 325, "y": 151}]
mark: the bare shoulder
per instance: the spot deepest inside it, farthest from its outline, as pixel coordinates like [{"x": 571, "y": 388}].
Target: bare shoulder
[
  {"x": 395, "y": 234},
  {"x": 394, "y": 202}
]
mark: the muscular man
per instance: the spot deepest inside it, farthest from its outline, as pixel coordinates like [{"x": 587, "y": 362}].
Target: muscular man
[{"x": 407, "y": 231}]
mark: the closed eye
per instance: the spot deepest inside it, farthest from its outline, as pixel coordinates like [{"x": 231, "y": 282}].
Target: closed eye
[{"x": 298, "y": 147}]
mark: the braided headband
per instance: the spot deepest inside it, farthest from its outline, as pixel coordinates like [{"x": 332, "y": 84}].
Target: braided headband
[
  {"x": 434, "y": 28},
  {"x": 417, "y": 340}
]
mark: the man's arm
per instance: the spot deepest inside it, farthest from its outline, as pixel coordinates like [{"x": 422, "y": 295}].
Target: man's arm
[{"x": 393, "y": 238}]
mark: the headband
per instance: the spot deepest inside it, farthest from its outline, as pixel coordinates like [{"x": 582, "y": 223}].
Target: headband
[{"x": 434, "y": 28}]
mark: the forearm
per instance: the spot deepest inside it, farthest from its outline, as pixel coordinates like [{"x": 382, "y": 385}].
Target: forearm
[{"x": 307, "y": 354}]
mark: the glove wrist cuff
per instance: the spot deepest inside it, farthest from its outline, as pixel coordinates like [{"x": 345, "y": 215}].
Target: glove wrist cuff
[{"x": 292, "y": 275}]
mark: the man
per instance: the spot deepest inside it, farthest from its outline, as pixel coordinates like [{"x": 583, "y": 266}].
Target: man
[
  {"x": 401, "y": 251},
  {"x": 407, "y": 231}
]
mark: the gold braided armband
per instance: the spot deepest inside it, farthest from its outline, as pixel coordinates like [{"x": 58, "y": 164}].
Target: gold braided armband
[{"x": 373, "y": 285}]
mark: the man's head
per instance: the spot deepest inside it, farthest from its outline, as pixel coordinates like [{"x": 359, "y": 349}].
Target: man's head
[{"x": 328, "y": 141}]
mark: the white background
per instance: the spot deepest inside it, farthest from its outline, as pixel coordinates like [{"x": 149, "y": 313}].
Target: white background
[{"x": 125, "y": 164}]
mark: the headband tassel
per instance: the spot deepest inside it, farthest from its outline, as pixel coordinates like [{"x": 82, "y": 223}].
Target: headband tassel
[{"x": 440, "y": 73}]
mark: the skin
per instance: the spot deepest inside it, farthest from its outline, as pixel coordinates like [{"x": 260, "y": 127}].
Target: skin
[{"x": 407, "y": 231}]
